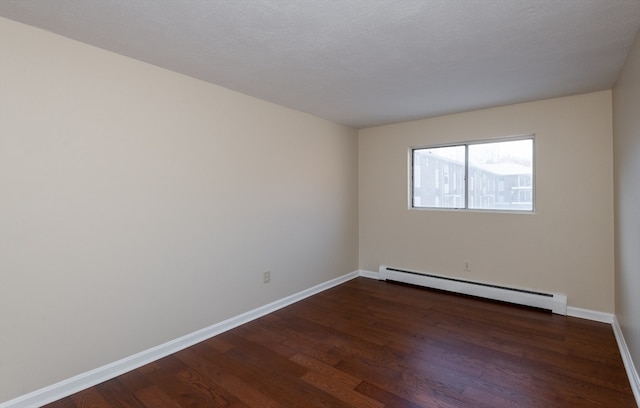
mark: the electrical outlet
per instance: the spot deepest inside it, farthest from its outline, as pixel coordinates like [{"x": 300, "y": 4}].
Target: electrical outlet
[
  {"x": 467, "y": 265},
  {"x": 266, "y": 276}
]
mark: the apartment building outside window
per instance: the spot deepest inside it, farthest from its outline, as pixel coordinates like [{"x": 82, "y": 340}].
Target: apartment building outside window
[{"x": 488, "y": 175}]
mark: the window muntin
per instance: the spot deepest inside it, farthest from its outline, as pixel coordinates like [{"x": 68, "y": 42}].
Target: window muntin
[{"x": 493, "y": 175}]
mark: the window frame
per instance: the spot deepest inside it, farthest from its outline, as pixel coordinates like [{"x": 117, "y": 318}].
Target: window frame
[{"x": 466, "y": 145}]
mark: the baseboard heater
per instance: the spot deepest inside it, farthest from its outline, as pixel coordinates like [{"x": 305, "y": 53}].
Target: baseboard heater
[{"x": 554, "y": 302}]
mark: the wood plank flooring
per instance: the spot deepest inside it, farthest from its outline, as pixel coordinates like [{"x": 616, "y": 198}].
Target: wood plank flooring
[{"x": 371, "y": 344}]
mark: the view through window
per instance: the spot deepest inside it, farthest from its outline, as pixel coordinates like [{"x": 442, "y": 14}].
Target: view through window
[{"x": 495, "y": 175}]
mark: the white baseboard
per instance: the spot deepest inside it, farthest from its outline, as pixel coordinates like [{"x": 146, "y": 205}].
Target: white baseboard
[
  {"x": 556, "y": 302},
  {"x": 90, "y": 378},
  {"x": 571, "y": 311},
  {"x": 369, "y": 274},
  {"x": 590, "y": 314},
  {"x": 632, "y": 373}
]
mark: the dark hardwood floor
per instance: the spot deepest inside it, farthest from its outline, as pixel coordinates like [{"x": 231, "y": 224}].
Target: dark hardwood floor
[{"x": 370, "y": 344}]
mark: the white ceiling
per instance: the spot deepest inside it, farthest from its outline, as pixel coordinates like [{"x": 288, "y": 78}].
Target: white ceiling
[{"x": 363, "y": 62}]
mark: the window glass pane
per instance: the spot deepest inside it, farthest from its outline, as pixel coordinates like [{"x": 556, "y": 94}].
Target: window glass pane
[
  {"x": 501, "y": 175},
  {"x": 438, "y": 177}
]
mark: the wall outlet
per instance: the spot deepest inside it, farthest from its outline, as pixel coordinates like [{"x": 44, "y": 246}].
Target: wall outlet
[
  {"x": 266, "y": 276},
  {"x": 467, "y": 265}
]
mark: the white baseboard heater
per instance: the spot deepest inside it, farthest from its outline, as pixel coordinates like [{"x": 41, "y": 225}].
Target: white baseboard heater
[{"x": 554, "y": 302}]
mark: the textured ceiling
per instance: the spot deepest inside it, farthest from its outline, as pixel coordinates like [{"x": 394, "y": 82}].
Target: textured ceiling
[{"x": 363, "y": 62}]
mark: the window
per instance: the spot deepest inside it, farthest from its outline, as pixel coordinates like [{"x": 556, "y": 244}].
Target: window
[{"x": 492, "y": 175}]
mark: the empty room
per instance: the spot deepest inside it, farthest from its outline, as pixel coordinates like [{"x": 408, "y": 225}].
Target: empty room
[{"x": 319, "y": 203}]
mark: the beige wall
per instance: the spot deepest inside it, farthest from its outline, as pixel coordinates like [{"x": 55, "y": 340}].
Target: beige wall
[
  {"x": 565, "y": 247},
  {"x": 138, "y": 205},
  {"x": 626, "y": 142}
]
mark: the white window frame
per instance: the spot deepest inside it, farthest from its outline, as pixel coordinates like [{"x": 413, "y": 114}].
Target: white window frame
[{"x": 465, "y": 200}]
